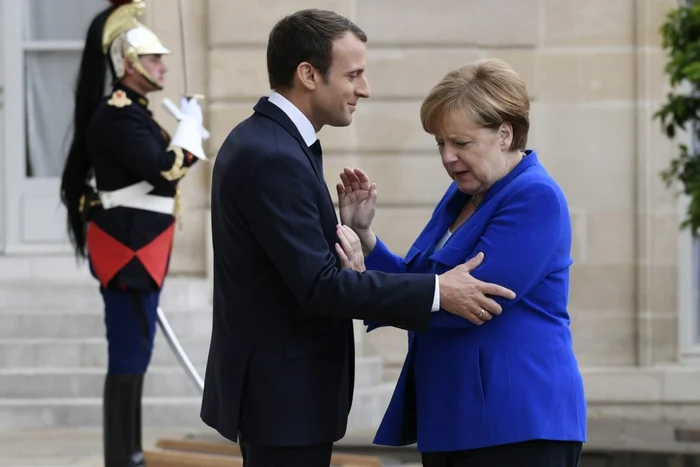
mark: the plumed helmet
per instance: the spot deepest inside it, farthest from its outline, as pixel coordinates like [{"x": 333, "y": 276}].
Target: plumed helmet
[{"x": 125, "y": 38}]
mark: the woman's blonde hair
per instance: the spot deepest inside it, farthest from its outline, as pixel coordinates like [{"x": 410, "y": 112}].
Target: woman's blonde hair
[{"x": 489, "y": 91}]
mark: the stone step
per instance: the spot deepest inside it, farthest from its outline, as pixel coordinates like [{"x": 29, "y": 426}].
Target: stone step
[
  {"x": 368, "y": 407},
  {"x": 89, "y": 352},
  {"x": 178, "y": 292},
  {"x": 92, "y": 353},
  {"x": 161, "y": 381},
  {"x": 37, "y": 323},
  {"x": 367, "y": 411},
  {"x": 87, "y": 412},
  {"x": 77, "y": 383}
]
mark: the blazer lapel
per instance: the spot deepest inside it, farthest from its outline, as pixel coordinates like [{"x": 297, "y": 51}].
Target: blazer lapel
[
  {"x": 273, "y": 112},
  {"x": 469, "y": 233},
  {"x": 452, "y": 208}
]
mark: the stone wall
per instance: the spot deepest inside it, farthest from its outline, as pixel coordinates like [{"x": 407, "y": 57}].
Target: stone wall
[
  {"x": 594, "y": 71},
  {"x": 189, "y": 255}
]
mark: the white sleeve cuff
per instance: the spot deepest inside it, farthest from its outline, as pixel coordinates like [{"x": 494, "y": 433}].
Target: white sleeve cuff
[{"x": 436, "y": 297}]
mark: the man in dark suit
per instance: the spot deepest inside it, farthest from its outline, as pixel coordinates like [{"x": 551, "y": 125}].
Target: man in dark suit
[{"x": 281, "y": 363}]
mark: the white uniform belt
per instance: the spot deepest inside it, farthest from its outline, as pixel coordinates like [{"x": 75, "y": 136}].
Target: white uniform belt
[{"x": 136, "y": 196}]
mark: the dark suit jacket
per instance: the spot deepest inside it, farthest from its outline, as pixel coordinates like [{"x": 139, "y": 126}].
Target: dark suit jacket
[{"x": 281, "y": 361}]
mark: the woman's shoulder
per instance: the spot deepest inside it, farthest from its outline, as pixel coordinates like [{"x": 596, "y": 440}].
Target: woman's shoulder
[
  {"x": 534, "y": 193},
  {"x": 535, "y": 182}
]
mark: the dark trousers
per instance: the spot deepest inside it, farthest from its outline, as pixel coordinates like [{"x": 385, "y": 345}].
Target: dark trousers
[
  {"x": 538, "y": 453},
  {"x": 255, "y": 455},
  {"x": 130, "y": 320}
]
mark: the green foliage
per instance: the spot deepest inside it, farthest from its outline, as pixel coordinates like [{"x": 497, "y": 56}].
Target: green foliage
[{"x": 681, "y": 111}]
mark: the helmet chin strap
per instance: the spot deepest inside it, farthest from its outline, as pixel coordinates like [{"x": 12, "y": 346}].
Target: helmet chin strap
[
  {"x": 133, "y": 58},
  {"x": 140, "y": 81},
  {"x": 147, "y": 76}
]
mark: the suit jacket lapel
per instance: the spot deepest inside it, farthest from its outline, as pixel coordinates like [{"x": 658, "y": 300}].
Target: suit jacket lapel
[{"x": 273, "y": 112}]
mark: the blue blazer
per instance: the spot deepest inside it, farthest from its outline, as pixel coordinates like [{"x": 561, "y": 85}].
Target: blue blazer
[{"x": 515, "y": 378}]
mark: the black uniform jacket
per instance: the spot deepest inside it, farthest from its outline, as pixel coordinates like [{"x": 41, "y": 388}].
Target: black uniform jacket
[{"x": 130, "y": 247}]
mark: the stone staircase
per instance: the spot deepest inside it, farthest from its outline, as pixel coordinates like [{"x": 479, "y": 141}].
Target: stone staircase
[{"x": 53, "y": 358}]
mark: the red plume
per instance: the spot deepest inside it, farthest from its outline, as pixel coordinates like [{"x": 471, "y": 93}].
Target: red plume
[{"x": 119, "y": 2}]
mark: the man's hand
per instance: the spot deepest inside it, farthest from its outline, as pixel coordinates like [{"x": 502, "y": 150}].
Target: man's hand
[{"x": 463, "y": 295}]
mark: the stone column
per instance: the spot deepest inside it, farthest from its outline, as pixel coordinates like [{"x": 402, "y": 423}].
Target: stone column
[
  {"x": 189, "y": 252},
  {"x": 656, "y": 241}
]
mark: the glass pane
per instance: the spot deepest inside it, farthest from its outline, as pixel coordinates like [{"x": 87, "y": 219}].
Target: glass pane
[
  {"x": 59, "y": 19},
  {"x": 50, "y": 79}
]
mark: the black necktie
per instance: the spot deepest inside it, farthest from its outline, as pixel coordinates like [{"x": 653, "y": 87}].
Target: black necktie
[{"x": 318, "y": 152}]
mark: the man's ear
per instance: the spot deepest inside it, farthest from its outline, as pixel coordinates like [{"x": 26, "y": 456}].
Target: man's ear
[
  {"x": 307, "y": 76},
  {"x": 129, "y": 67}
]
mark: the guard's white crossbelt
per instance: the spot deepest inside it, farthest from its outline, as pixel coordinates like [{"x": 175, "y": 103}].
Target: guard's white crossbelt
[{"x": 136, "y": 196}]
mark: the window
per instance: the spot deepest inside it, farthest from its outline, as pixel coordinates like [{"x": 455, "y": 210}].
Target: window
[
  {"x": 53, "y": 36},
  {"x": 689, "y": 277}
]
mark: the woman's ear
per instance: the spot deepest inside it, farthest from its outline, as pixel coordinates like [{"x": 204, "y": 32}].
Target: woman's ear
[{"x": 505, "y": 133}]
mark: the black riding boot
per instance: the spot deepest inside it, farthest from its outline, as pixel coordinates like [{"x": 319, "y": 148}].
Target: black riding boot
[
  {"x": 122, "y": 421},
  {"x": 137, "y": 457}
]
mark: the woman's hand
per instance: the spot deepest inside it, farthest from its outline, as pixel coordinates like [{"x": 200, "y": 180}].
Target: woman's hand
[
  {"x": 349, "y": 249},
  {"x": 357, "y": 198}
]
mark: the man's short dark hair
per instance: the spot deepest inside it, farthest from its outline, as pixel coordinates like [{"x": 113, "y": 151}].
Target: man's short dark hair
[{"x": 305, "y": 36}]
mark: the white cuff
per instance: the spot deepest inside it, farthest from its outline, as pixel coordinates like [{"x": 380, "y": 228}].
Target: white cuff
[
  {"x": 436, "y": 297},
  {"x": 188, "y": 136}
]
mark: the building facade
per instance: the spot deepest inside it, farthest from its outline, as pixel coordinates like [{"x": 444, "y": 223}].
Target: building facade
[{"x": 595, "y": 74}]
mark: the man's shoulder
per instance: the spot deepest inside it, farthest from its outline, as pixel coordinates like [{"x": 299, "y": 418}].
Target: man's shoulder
[
  {"x": 256, "y": 142},
  {"x": 262, "y": 138},
  {"x": 258, "y": 130},
  {"x": 116, "y": 122},
  {"x": 114, "y": 109}
]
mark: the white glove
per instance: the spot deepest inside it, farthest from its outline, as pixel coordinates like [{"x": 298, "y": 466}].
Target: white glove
[
  {"x": 191, "y": 108},
  {"x": 179, "y": 115},
  {"x": 188, "y": 135}
]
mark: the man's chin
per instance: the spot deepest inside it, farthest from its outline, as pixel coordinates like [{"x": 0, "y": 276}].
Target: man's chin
[{"x": 341, "y": 123}]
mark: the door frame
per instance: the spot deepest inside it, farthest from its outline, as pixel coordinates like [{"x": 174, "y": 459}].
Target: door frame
[
  {"x": 32, "y": 211},
  {"x": 4, "y": 147}
]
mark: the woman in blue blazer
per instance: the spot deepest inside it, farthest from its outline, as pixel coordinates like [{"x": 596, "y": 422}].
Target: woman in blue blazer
[{"x": 504, "y": 390}]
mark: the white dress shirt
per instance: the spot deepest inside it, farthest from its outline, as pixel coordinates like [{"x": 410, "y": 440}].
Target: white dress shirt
[{"x": 306, "y": 129}]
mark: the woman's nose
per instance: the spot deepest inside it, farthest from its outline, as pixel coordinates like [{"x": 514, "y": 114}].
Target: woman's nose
[{"x": 449, "y": 155}]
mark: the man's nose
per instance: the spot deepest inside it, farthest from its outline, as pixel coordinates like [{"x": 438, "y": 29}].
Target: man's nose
[{"x": 363, "y": 89}]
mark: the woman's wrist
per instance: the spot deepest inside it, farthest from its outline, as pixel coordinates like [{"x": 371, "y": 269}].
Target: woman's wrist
[{"x": 368, "y": 240}]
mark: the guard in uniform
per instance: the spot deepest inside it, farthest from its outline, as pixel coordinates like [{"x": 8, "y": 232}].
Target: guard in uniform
[{"x": 119, "y": 186}]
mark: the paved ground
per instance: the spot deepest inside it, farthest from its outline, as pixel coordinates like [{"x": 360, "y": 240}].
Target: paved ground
[
  {"x": 52, "y": 448},
  {"x": 73, "y": 447},
  {"x": 83, "y": 447}
]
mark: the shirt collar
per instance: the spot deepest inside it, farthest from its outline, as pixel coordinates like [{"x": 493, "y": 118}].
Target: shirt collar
[{"x": 306, "y": 129}]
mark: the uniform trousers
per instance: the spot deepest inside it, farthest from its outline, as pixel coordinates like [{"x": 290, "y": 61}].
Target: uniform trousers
[{"x": 130, "y": 322}]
